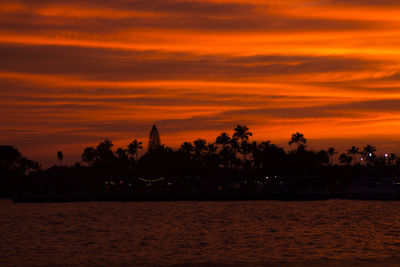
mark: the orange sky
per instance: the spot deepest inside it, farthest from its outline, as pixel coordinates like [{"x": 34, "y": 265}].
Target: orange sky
[{"x": 75, "y": 72}]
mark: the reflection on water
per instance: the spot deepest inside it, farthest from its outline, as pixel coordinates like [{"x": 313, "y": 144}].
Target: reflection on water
[{"x": 247, "y": 232}]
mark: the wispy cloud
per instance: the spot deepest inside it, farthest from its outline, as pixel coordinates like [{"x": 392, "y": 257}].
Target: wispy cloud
[{"x": 72, "y": 72}]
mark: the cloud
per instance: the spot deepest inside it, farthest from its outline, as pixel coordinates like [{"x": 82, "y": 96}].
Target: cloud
[
  {"x": 109, "y": 64},
  {"x": 388, "y": 3},
  {"x": 73, "y": 72},
  {"x": 349, "y": 110},
  {"x": 110, "y": 17}
]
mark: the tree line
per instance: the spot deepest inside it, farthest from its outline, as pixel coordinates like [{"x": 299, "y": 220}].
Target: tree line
[
  {"x": 236, "y": 151},
  {"x": 196, "y": 165}
]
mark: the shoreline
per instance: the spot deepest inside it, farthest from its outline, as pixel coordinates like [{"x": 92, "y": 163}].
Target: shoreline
[{"x": 177, "y": 198}]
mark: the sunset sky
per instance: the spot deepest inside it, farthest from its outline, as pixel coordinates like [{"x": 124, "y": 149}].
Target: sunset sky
[{"x": 75, "y": 72}]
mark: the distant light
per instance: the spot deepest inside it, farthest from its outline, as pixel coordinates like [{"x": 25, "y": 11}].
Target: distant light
[
  {"x": 362, "y": 159},
  {"x": 370, "y": 154},
  {"x": 386, "y": 155}
]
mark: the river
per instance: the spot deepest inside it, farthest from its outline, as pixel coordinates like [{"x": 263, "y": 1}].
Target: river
[{"x": 243, "y": 233}]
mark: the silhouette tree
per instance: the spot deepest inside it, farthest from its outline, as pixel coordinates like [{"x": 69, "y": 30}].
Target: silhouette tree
[
  {"x": 121, "y": 154},
  {"x": 211, "y": 148},
  {"x": 28, "y": 165},
  {"x": 268, "y": 156},
  {"x": 11, "y": 160},
  {"x": 14, "y": 169},
  {"x": 154, "y": 139},
  {"x": 133, "y": 148},
  {"x": 199, "y": 146},
  {"x": 331, "y": 152},
  {"x": 234, "y": 144},
  {"x": 227, "y": 156},
  {"x": 242, "y": 133},
  {"x": 9, "y": 156},
  {"x": 197, "y": 167},
  {"x": 223, "y": 139},
  {"x": 187, "y": 148},
  {"x": 369, "y": 154},
  {"x": 212, "y": 157},
  {"x": 104, "y": 153},
  {"x": 345, "y": 159},
  {"x": 60, "y": 156},
  {"x": 392, "y": 158},
  {"x": 379, "y": 162},
  {"x": 245, "y": 149},
  {"x": 354, "y": 151},
  {"x": 298, "y": 139},
  {"x": 123, "y": 160},
  {"x": 89, "y": 155},
  {"x": 252, "y": 148},
  {"x": 322, "y": 157}
]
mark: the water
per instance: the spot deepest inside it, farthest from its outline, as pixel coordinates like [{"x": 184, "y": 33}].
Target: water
[{"x": 333, "y": 232}]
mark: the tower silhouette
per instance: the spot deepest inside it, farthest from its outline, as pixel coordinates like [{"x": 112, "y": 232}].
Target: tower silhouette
[{"x": 154, "y": 139}]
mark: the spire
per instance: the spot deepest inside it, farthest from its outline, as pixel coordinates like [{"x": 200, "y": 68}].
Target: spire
[{"x": 154, "y": 139}]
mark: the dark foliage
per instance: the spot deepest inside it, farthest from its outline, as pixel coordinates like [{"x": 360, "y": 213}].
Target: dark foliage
[{"x": 230, "y": 164}]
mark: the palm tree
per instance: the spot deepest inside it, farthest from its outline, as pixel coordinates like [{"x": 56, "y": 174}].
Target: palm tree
[
  {"x": 223, "y": 139},
  {"x": 354, "y": 151},
  {"x": 245, "y": 148},
  {"x": 345, "y": 159},
  {"x": 212, "y": 157},
  {"x": 133, "y": 148},
  {"x": 368, "y": 153},
  {"x": 104, "y": 152},
  {"x": 60, "y": 156},
  {"x": 331, "y": 152},
  {"x": 227, "y": 156},
  {"x": 298, "y": 139},
  {"x": 242, "y": 133},
  {"x": 199, "y": 145}
]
